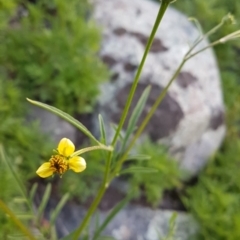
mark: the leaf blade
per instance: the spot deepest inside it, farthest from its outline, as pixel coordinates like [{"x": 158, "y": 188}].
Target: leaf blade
[
  {"x": 136, "y": 114},
  {"x": 67, "y": 117},
  {"x": 111, "y": 215},
  {"x": 44, "y": 201},
  {"x": 138, "y": 157},
  {"x": 139, "y": 170},
  {"x": 102, "y": 129}
]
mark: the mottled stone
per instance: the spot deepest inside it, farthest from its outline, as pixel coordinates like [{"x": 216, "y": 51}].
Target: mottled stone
[
  {"x": 217, "y": 120},
  {"x": 191, "y": 117},
  {"x": 108, "y": 60},
  {"x": 162, "y": 116},
  {"x": 132, "y": 223},
  {"x": 184, "y": 79},
  {"x": 51, "y": 124}
]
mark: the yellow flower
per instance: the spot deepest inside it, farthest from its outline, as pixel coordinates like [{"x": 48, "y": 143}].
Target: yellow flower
[{"x": 62, "y": 161}]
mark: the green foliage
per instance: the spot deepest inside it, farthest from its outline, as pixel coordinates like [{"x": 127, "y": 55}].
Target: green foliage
[
  {"x": 167, "y": 176},
  {"x": 8, "y": 192},
  {"x": 215, "y": 200},
  {"x": 85, "y": 186},
  {"x": 17, "y": 200},
  {"x": 22, "y": 140},
  {"x": 155, "y": 175},
  {"x": 50, "y": 52}
]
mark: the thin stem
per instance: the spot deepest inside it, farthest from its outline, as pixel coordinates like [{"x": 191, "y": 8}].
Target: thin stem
[
  {"x": 96, "y": 201},
  {"x": 187, "y": 56},
  {"x": 203, "y": 49},
  {"x": 200, "y": 39},
  {"x": 88, "y": 149},
  {"x": 153, "y": 109},
  {"x": 146, "y": 119},
  {"x": 161, "y": 12},
  {"x": 106, "y": 181}
]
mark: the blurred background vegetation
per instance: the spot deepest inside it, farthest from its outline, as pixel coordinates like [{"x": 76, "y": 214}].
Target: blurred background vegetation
[
  {"x": 214, "y": 199},
  {"x": 51, "y": 56},
  {"x": 48, "y": 52}
]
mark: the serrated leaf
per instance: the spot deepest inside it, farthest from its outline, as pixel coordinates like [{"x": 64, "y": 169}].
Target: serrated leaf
[
  {"x": 102, "y": 129},
  {"x": 136, "y": 114},
  {"x": 139, "y": 170},
  {"x": 67, "y": 117},
  {"x": 138, "y": 157}
]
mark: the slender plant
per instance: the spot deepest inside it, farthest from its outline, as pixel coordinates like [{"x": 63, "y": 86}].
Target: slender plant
[{"x": 66, "y": 158}]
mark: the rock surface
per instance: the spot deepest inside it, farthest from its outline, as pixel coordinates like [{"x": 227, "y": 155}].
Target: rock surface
[
  {"x": 51, "y": 124},
  {"x": 132, "y": 223},
  {"x": 190, "y": 120}
]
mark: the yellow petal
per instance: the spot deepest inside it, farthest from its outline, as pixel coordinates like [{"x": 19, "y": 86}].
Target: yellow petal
[
  {"x": 45, "y": 170},
  {"x": 66, "y": 147},
  {"x": 77, "y": 164}
]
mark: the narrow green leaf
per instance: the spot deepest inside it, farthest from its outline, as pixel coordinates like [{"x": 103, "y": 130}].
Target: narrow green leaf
[
  {"x": 172, "y": 224},
  {"x": 53, "y": 232},
  {"x": 97, "y": 220},
  {"x": 44, "y": 201},
  {"x": 19, "y": 200},
  {"x": 102, "y": 129},
  {"x": 138, "y": 157},
  {"x": 173, "y": 219},
  {"x": 114, "y": 126},
  {"x": 139, "y": 170},
  {"x": 69, "y": 236},
  {"x": 33, "y": 192},
  {"x": 67, "y": 117},
  {"x": 92, "y": 148},
  {"x": 16, "y": 236},
  {"x": 106, "y": 238},
  {"x": 111, "y": 215},
  {"x": 58, "y": 208},
  {"x": 136, "y": 114},
  {"x": 25, "y": 216}
]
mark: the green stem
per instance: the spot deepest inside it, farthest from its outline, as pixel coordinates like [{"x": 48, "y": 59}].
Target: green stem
[
  {"x": 88, "y": 149},
  {"x": 105, "y": 183},
  {"x": 161, "y": 12},
  {"x": 96, "y": 201},
  {"x": 187, "y": 56},
  {"x": 202, "y": 49},
  {"x": 146, "y": 119}
]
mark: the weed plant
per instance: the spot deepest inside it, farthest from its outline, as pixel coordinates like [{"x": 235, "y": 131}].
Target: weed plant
[
  {"x": 115, "y": 162},
  {"x": 50, "y": 54},
  {"x": 214, "y": 201}
]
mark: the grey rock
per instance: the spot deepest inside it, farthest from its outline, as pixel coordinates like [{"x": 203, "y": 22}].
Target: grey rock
[
  {"x": 51, "y": 124},
  {"x": 132, "y": 223},
  {"x": 190, "y": 120}
]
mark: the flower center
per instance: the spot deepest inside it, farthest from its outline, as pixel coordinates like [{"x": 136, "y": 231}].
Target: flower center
[{"x": 59, "y": 164}]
